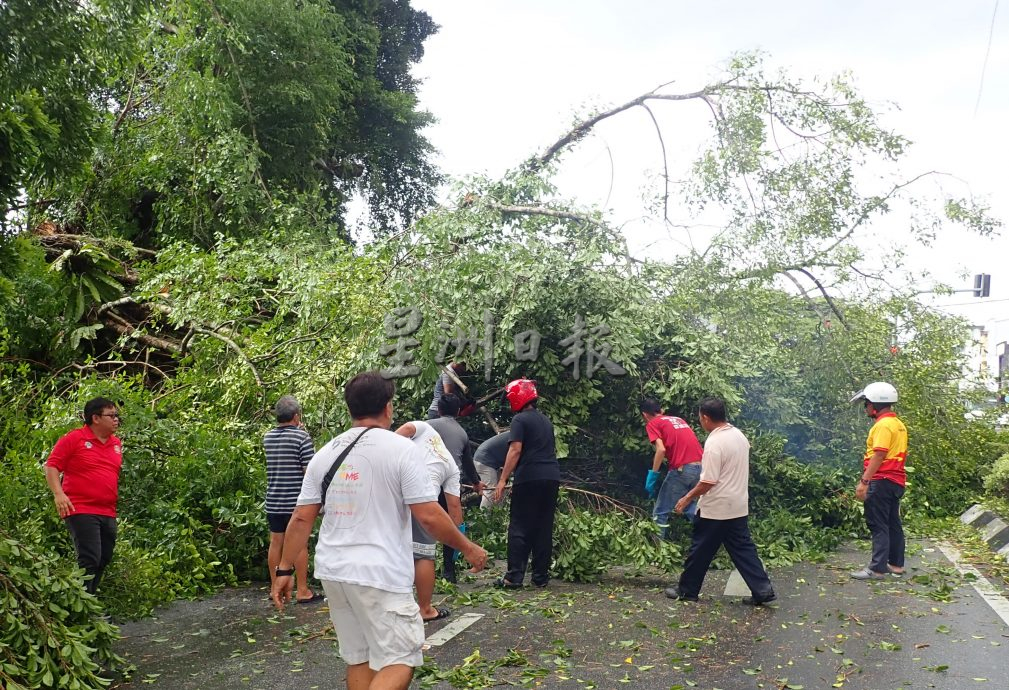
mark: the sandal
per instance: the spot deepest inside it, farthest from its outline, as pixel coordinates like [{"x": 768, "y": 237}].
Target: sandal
[{"x": 317, "y": 596}]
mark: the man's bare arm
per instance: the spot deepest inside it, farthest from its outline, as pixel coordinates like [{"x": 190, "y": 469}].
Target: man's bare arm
[
  {"x": 438, "y": 524},
  {"x": 660, "y": 454},
  {"x": 295, "y": 541},
  {"x": 63, "y": 504},
  {"x": 454, "y": 508}
]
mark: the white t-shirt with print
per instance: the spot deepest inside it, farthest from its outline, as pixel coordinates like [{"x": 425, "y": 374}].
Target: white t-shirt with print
[
  {"x": 365, "y": 537},
  {"x": 441, "y": 467},
  {"x": 726, "y": 464}
]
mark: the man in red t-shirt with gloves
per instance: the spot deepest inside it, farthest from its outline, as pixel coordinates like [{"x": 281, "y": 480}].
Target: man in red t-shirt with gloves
[
  {"x": 89, "y": 460},
  {"x": 676, "y": 442}
]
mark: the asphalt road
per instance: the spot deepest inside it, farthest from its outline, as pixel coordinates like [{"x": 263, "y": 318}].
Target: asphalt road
[{"x": 929, "y": 629}]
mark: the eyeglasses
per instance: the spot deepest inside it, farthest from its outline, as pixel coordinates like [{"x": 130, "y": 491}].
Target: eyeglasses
[{"x": 114, "y": 415}]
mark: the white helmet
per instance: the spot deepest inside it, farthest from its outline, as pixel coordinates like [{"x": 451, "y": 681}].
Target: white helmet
[{"x": 879, "y": 392}]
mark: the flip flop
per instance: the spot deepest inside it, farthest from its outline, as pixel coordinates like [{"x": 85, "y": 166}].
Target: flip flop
[
  {"x": 314, "y": 598},
  {"x": 442, "y": 613}
]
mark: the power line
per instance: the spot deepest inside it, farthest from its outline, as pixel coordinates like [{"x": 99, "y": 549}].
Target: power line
[
  {"x": 987, "y": 52},
  {"x": 964, "y": 304}
]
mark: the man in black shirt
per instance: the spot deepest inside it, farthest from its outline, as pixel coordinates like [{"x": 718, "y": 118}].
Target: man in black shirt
[{"x": 532, "y": 457}]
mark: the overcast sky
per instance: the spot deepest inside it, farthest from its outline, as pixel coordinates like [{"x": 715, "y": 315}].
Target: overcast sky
[{"x": 507, "y": 78}]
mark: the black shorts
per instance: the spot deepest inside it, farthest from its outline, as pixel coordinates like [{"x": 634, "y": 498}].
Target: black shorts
[{"x": 278, "y": 521}]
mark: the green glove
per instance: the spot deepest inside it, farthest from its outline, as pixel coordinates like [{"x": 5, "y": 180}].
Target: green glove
[{"x": 462, "y": 528}]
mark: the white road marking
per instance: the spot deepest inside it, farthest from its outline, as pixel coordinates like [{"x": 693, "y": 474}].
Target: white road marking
[
  {"x": 452, "y": 629},
  {"x": 989, "y": 592},
  {"x": 736, "y": 586}
]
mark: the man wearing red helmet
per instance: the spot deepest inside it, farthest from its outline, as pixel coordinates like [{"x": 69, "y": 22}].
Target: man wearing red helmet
[{"x": 532, "y": 457}]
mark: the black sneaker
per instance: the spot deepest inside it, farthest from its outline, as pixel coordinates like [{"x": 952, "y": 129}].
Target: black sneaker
[
  {"x": 674, "y": 593},
  {"x": 760, "y": 601},
  {"x": 502, "y": 583}
]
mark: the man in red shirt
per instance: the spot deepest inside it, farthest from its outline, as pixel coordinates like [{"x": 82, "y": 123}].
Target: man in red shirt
[
  {"x": 83, "y": 474},
  {"x": 675, "y": 441}
]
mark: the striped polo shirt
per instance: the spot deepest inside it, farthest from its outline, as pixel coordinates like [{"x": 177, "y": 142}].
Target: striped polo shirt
[{"x": 288, "y": 450}]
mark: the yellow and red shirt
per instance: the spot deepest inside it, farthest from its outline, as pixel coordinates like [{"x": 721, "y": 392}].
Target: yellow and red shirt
[{"x": 889, "y": 435}]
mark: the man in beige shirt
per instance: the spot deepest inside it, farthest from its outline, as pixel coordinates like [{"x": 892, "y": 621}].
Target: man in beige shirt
[{"x": 722, "y": 510}]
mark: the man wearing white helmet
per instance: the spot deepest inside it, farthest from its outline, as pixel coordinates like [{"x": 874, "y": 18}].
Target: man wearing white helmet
[{"x": 881, "y": 485}]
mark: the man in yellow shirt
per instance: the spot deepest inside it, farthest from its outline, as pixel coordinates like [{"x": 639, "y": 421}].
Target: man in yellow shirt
[{"x": 882, "y": 483}]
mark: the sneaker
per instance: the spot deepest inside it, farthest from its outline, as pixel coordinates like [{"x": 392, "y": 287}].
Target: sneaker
[
  {"x": 866, "y": 574},
  {"x": 674, "y": 593},
  {"x": 760, "y": 601}
]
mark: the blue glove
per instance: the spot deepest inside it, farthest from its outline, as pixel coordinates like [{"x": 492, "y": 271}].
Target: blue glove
[{"x": 652, "y": 483}]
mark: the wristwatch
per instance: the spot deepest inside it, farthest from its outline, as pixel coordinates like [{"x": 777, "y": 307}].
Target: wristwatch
[
  {"x": 283, "y": 572},
  {"x": 863, "y": 481}
]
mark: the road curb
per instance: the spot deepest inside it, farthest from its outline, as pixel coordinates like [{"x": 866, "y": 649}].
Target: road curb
[{"x": 994, "y": 530}]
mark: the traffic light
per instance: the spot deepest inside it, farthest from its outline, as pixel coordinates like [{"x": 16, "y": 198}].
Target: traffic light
[{"x": 982, "y": 285}]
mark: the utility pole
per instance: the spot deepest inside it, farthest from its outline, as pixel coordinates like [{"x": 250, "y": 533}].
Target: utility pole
[
  {"x": 1002, "y": 377},
  {"x": 982, "y": 285}
]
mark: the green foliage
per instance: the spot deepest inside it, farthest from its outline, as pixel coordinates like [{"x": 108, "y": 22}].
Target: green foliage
[
  {"x": 815, "y": 496},
  {"x": 784, "y": 538},
  {"x": 54, "y": 58},
  {"x": 301, "y": 311},
  {"x": 588, "y": 541},
  {"x": 224, "y": 115},
  {"x": 588, "y": 544},
  {"x": 474, "y": 672},
  {"x": 89, "y": 273},
  {"x": 996, "y": 482},
  {"x": 52, "y": 632},
  {"x": 489, "y": 528},
  {"x": 32, "y": 306}
]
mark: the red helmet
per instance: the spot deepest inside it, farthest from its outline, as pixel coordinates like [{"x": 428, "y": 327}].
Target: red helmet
[{"x": 520, "y": 392}]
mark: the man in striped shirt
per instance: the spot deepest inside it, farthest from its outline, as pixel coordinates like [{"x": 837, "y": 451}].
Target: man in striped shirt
[{"x": 288, "y": 449}]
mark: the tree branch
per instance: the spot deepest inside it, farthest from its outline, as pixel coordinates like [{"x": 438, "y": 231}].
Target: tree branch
[
  {"x": 542, "y": 211},
  {"x": 665, "y": 163},
  {"x": 231, "y": 343},
  {"x": 129, "y": 102},
  {"x": 123, "y": 364},
  {"x": 77, "y": 240},
  {"x": 245, "y": 99},
  {"x": 805, "y": 295},
  {"x": 123, "y": 327},
  {"x": 584, "y": 127},
  {"x": 823, "y": 291},
  {"x": 864, "y": 216}
]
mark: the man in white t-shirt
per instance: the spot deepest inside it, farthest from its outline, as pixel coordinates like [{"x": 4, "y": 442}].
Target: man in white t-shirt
[
  {"x": 722, "y": 510},
  {"x": 363, "y": 553},
  {"x": 444, "y": 475}
]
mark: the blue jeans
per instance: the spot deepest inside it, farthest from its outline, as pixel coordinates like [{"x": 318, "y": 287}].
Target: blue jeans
[{"x": 675, "y": 486}]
